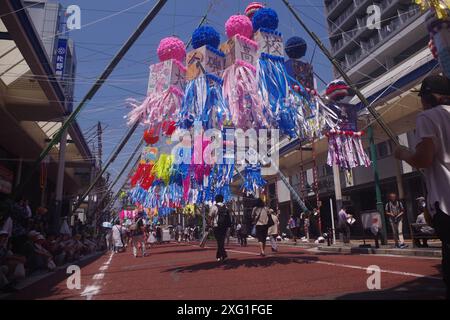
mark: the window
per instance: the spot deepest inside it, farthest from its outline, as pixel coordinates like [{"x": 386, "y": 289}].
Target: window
[{"x": 384, "y": 149}]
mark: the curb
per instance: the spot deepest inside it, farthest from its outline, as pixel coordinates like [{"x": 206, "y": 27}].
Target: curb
[
  {"x": 28, "y": 281},
  {"x": 435, "y": 253}
]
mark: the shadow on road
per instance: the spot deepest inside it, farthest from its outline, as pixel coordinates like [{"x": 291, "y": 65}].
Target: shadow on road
[
  {"x": 256, "y": 262},
  {"x": 418, "y": 289}
]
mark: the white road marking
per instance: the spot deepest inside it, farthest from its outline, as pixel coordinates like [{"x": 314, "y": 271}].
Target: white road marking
[
  {"x": 98, "y": 276},
  {"x": 90, "y": 291},
  {"x": 402, "y": 273}
]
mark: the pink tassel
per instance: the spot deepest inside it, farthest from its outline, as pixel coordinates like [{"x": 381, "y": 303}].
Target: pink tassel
[
  {"x": 240, "y": 89},
  {"x": 156, "y": 107}
]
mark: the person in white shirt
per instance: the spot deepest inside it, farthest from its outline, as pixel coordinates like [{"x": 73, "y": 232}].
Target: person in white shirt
[
  {"x": 274, "y": 230},
  {"x": 432, "y": 153},
  {"x": 220, "y": 220}
]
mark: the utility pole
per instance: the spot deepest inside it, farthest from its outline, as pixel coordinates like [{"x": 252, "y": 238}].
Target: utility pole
[
  {"x": 100, "y": 144},
  {"x": 380, "y": 209},
  {"x": 60, "y": 182}
]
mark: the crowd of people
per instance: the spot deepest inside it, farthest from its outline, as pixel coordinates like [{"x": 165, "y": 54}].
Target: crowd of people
[{"x": 28, "y": 245}]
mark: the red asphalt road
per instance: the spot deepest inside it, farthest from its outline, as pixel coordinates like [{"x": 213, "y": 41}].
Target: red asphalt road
[{"x": 185, "y": 271}]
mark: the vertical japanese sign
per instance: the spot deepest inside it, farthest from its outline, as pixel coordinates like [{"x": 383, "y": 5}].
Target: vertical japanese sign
[{"x": 60, "y": 57}]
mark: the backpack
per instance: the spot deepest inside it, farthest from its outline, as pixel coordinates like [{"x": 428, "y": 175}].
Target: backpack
[{"x": 223, "y": 217}]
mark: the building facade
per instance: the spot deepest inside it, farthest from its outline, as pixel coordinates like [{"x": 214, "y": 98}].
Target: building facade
[{"x": 34, "y": 101}]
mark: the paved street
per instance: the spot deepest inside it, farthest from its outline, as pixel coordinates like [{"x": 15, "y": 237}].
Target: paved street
[{"x": 185, "y": 271}]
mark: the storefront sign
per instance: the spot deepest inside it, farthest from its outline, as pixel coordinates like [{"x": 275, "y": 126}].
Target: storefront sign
[{"x": 60, "y": 57}]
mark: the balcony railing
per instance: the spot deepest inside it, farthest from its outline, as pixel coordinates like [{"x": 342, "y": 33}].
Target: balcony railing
[
  {"x": 337, "y": 23},
  {"x": 352, "y": 58},
  {"x": 404, "y": 18},
  {"x": 332, "y": 5}
]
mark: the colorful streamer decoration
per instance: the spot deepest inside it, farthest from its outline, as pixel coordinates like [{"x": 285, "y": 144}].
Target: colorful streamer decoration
[
  {"x": 345, "y": 147},
  {"x": 240, "y": 85},
  {"x": 346, "y": 150},
  {"x": 165, "y": 86},
  {"x": 203, "y": 102},
  {"x": 253, "y": 180}
]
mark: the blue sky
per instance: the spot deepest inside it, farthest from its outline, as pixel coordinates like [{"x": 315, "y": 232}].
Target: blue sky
[{"x": 105, "y": 28}]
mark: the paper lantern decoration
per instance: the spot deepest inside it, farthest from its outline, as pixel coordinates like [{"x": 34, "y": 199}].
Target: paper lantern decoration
[
  {"x": 205, "y": 36},
  {"x": 239, "y": 24},
  {"x": 252, "y": 8},
  {"x": 265, "y": 18},
  {"x": 205, "y": 58},
  {"x": 295, "y": 47},
  {"x": 150, "y": 136},
  {"x": 337, "y": 90},
  {"x": 171, "y": 48}
]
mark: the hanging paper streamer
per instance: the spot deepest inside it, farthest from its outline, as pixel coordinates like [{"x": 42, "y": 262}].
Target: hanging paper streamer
[
  {"x": 345, "y": 149},
  {"x": 253, "y": 180},
  {"x": 165, "y": 86},
  {"x": 240, "y": 85},
  {"x": 162, "y": 167},
  {"x": 439, "y": 29},
  {"x": 203, "y": 101}
]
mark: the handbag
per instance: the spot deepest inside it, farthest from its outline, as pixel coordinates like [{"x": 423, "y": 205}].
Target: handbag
[{"x": 254, "y": 223}]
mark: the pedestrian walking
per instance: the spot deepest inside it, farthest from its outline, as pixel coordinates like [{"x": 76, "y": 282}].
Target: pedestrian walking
[
  {"x": 178, "y": 233},
  {"x": 220, "y": 219},
  {"x": 262, "y": 220},
  {"x": 186, "y": 234},
  {"x": 274, "y": 230},
  {"x": 117, "y": 237},
  {"x": 137, "y": 236},
  {"x": 293, "y": 226},
  {"x": 344, "y": 225},
  {"x": 395, "y": 212},
  {"x": 432, "y": 153},
  {"x": 109, "y": 240},
  {"x": 158, "y": 233}
]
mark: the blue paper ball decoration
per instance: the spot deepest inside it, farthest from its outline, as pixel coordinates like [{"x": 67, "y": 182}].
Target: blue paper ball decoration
[
  {"x": 205, "y": 35},
  {"x": 265, "y": 18},
  {"x": 295, "y": 47}
]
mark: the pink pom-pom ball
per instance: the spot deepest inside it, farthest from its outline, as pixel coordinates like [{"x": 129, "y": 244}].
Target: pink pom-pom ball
[
  {"x": 171, "y": 48},
  {"x": 239, "y": 24}
]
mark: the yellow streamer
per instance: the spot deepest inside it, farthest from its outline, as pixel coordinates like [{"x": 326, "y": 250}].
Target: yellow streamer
[
  {"x": 439, "y": 6},
  {"x": 162, "y": 167}
]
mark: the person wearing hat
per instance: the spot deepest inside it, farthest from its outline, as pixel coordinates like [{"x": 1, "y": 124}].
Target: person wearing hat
[
  {"x": 432, "y": 153},
  {"x": 422, "y": 225}
]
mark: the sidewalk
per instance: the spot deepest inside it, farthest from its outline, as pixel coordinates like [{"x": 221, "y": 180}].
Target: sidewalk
[
  {"x": 37, "y": 276},
  {"x": 354, "y": 248}
]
